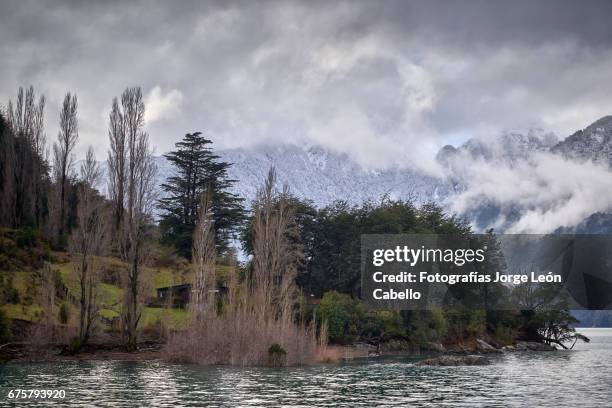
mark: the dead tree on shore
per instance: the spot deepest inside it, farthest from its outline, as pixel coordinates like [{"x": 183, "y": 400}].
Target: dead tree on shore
[
  {"x": 203, "y": 259},
  {"x": 134, "y": 193},
  {"x": 62, "y": 153},
  {"x": 274, "y": 258},
  {"x": 88, "y": 241}
]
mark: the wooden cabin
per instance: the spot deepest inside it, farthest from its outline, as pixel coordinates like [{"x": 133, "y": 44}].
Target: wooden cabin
[{"x": 178, "y": 295}]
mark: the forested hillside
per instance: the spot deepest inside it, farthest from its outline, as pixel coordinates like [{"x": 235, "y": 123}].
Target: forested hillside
[{"x": 78, "y": 267}]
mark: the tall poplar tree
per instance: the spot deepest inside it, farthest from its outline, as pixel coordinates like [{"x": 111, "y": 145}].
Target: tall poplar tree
[
  {"x": 132, "y": 188},
  {"x": 62, "y": 151}
]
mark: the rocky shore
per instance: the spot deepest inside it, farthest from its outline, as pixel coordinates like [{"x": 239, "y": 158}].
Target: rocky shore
[
  {"x": 451, "y": 360},
  {"x": 471, "y": 352},
  {"x": 27, "y": 353}
]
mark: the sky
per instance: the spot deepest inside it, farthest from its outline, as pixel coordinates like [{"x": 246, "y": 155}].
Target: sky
[{"x": 383, "y": 81}]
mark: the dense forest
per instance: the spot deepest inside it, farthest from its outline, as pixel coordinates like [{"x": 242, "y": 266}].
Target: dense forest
[{"x": 86, "y": 252}]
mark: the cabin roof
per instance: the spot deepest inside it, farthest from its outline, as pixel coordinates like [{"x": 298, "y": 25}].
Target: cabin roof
[{"x": 176, "y": 287}]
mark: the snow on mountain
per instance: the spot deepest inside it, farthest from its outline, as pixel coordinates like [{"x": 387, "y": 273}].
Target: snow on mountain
[
  {"x": 322, "y": 176},
  {"x": 509, "y": 146},
  {"x": 593, "y": 143},
  {"x": 530, "y": 182}
]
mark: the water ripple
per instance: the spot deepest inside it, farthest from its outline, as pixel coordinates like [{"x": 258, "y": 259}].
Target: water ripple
[{"x": 565, "y": 378}]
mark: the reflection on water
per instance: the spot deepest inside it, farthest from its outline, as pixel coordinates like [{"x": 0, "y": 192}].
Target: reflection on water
[{"x": 566, "y": 378}]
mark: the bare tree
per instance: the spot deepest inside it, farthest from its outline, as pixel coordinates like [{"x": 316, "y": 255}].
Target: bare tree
[
  {"x": 26, "y": 118},
  {"x": 62, "y": 152},
  {"x": 48, "y": 300},
  {"x": 87, "y": 241},
  {"x": 117, "y": 157},
  {"x": 203, "y": 258},
  {"x": 132, "y": 187},
  {"x": 256, "y": 312},
  {"x": 274, "y": 258}
]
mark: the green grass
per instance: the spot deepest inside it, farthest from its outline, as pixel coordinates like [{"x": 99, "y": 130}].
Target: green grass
[
  {"x": 110, "y": 297},
  {"x": 30, "y": 313},
  {"x": 108, "y": 313},
  {"x": 173, "y": 318},
  {"x": 20, "y": 280}
]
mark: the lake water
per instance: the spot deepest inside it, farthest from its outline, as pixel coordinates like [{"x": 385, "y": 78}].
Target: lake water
[{"x": 580, "y": 377}]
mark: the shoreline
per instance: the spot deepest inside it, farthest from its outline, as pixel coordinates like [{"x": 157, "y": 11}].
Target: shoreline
[{"x": 22, "y": 353}]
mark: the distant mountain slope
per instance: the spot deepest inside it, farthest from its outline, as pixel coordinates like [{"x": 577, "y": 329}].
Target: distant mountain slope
[
  {"x": 592, "y": 143},
  {"x": 323, "y": 176},
  {"x": 593, "y": 318},
  {"x": 529, "y": 170},
  {"x": 509, "y": 146}
]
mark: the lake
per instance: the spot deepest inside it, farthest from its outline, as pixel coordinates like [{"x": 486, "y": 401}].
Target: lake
[{"x": 580, "y": 377}]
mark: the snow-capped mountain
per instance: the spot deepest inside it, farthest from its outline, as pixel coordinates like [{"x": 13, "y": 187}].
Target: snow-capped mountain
[
  {"x": 324, "y": 176},
  {"x": 531, "y": 182},
  {"x": 509, "y": 146},
  {"x": 593, "y": 143}
]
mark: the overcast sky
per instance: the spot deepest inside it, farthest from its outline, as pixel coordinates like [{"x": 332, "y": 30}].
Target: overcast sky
[{"x": 380, "y": 80}]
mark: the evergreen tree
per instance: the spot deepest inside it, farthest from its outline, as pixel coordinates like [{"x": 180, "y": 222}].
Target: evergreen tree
[
  {"x": 198, "y": 169},
  {"x": 24, "y": 181}
]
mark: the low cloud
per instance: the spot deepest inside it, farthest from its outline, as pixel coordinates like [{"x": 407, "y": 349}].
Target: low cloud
[{"x": 535, "y": 195}]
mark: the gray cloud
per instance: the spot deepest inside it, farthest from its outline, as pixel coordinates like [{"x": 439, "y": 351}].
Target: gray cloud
[
  {"x": 382, "y": 81},
  {"x": 541, "y": 193}
]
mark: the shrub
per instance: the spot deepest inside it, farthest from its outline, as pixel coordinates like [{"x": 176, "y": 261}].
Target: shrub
[
  {"x": 12, "y": 295},
  {"x": 391, "y": 323},
  {"x": 424, "y": 326},
  {"x": 438, "y": 324},
  {"x": 23, "y": 248},
  {"x": 504, "y": 334},
  {"x": 64, "y": 313},
  {"x": 5, "y": 328},
  {"x": 26, "y": 238},
  {"x": 465, "y": 322},
  {"x": 60, "y": 243},
  {"x": 58, "y": 282},
  {"x": 344, "y": 316},
  {"x": 111, "y": 273},
  {"x": 5, "y": 263},
  {"x": 74, "y": 345},
  {"x": 8, "y": 292},
  {"x": 477, "y": 323},
  {"x": 277, "y": 356},
  {"x": 383, "y": 325}
]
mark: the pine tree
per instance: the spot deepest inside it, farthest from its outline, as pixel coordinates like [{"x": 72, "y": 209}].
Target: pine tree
[{"x": 197, "y": 169}]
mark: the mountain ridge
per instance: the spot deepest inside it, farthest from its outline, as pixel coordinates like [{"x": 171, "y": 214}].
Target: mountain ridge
[{"x": 324, "y": 176}]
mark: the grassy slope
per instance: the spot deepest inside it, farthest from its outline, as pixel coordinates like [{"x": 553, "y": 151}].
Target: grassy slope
[{"x": 109, "y": 296}]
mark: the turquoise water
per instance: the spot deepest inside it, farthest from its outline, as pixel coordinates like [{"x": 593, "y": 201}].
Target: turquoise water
[{"x": 581, "y": 377}]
